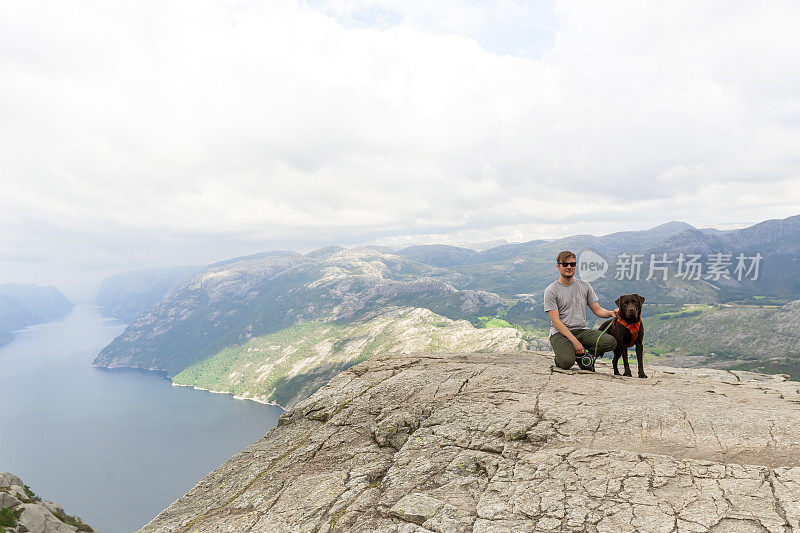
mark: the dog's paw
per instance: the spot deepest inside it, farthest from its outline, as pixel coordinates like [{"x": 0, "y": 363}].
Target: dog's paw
[
  {"x": 628, "y": 373},
  {"x": 642, "y": 375}
]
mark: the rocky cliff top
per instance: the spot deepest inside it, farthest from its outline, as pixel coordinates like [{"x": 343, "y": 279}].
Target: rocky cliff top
[
  {"x": 503, "y": 442},
  {"x": 22, "y": 511}
]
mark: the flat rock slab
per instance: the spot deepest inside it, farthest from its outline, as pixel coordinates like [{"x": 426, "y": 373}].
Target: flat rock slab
[{"x": 504, "y": 442}]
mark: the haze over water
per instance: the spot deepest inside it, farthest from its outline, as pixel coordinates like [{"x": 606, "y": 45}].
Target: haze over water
[{"x": 114, "y": 447}]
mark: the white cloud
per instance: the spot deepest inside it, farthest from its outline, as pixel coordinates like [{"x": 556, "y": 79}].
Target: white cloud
[
  {"x": 182, "y": 131},
  {"x": 523, "y": 28}
]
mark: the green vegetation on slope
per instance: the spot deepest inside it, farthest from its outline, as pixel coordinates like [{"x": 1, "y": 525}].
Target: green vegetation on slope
[
  {"x": 8, "y": 517},
  {"x": 254, "y": 367},
  {"x": 292, "y": 363},
  {"x": 493, "y": 322}
]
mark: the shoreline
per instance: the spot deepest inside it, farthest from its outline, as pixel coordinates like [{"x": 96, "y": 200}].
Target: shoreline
[
  {"x": 235, "y": 396},
  {"x": 164, "y": 375}
]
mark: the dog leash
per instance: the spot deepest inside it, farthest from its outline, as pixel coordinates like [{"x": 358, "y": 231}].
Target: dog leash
[
  {"x": 593, "y": 358},
  {"x": 601, "y": 333}
]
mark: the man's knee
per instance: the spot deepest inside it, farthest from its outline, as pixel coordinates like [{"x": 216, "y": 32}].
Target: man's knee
[
  {"x": 564, "y": 352},
  {"x": 565, "y": 361}
]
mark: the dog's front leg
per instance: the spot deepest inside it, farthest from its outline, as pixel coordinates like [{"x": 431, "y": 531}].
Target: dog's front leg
[
  {"x": 617, "y": 355},
  {"x": 640, "y": 359},
  {"x": 625, "y": 362}
]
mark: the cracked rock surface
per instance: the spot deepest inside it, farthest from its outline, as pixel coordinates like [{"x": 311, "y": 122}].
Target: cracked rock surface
[{"x": 503, "y": 442}]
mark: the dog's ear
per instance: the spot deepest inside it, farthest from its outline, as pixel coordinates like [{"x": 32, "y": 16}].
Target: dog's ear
[
  {"x": 640, "y": 298},
  {"x": 618, "y": 300}
]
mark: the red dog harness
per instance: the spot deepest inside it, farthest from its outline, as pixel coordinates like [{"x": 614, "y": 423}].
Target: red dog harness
[{"x": 633, "y": 328}]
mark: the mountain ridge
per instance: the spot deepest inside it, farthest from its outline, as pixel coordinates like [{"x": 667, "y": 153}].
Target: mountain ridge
[
  {"x": 230, "y": 304},
  {"x": 126, "y": 295}
]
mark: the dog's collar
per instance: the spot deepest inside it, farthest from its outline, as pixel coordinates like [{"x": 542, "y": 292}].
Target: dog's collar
[{"x": 629, "y": 326}]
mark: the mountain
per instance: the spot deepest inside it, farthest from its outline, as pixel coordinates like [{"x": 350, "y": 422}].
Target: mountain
[
  {"x": 381, "y": 249},
  {"x": 15, "y": 316},
  {"x": 324, "y": 252},
  {"x": 439, "y": 255},
  {"x": 781, "y": 234},
  {"x": 125, "y": 296},
  {"x": 40, "y": 304},
  {"x": 288, "y": 366},
  {"x": 611, "y": 244},
  {"x": 26, "y": 304},
  {"x": 496, "y": 442},
  {"x": 508, "y": 251},
  {"x": 444, "y": 255},
  {"x": 227, "y": 306},
  {"x": 529, "y": 267},
  {"x": 776, "y": 241},
  {"x": 482, "y": 246},
  {"x": 260, "y": 255}
]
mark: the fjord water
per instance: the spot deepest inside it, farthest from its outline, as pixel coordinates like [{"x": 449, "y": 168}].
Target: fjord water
[{"x": 114, "y": 447}]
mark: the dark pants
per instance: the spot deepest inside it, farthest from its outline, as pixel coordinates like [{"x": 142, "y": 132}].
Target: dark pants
[{"x": 565, "y": 351}]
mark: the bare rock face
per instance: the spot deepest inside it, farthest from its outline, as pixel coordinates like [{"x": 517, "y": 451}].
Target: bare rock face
[
  {"x": 24, "y": 512},
  {"x": 504, "y": 443}
]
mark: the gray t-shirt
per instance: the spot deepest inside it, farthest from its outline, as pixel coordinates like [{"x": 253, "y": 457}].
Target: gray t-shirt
[{"x": 570, "y": 302}]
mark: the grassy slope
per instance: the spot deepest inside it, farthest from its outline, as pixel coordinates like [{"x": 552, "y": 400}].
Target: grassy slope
[{"x": 286, "y": 365}]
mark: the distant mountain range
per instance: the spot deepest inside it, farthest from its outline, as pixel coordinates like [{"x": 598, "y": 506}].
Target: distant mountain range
[
  {"x": 125, "y": 296},
  {"x": 527, "y": 268},
  {"x": 238, "y": 325},
  {"x": 26, "y": 304}
]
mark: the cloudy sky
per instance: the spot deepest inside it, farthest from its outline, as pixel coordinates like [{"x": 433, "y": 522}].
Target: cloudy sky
[{"x": 138, "y": 134}]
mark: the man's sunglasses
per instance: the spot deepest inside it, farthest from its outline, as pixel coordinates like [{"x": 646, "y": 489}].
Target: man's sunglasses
[{"x": 568, "y": 264}]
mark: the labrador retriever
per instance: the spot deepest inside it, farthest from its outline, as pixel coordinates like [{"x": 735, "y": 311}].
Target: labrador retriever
[{"x": 628, "y": 331}]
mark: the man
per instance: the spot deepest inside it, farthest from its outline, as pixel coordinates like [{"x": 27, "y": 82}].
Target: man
[{"x": 565, "y": 300}]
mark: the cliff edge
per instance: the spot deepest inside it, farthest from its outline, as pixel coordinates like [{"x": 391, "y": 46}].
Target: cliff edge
[
  {"x": 22, "y": 511},
  {"x": 503, "y": 442}
]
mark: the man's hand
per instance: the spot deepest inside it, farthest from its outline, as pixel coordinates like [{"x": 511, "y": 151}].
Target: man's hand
[
  {"x": 579, "y": 349},
  {"x": 615, "y": 313}
]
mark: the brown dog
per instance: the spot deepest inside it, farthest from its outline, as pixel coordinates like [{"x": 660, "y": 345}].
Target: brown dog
[{"x": 628, "y": 330}]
